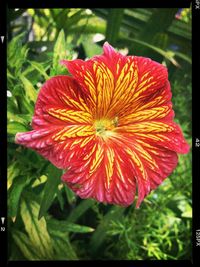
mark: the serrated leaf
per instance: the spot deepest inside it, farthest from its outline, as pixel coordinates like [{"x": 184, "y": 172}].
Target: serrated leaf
[
  {"x": 53, "y": 180},
  {"x": 36, "y": 229},
  {"x": 30, "y": 91}
]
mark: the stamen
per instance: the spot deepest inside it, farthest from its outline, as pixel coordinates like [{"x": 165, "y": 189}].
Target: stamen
[{"x": 104, "y": 127}]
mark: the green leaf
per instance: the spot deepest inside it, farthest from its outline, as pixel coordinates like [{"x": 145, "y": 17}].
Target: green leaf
[
  {"x": 114, "y": 20},
  {"x": 186, "y": 209},
  {"x": 16, "y": 127},
  {"x": 65, "y": 226},
  {"x": 100, "y": 233},
  {"x": 29, "y": 106},
  {"x": 13, "y": 171},
  {"x": 60, "y": 198},
  {"x": 36, "y": 229},
  {"x": 39, "y": 68},
  {"x": 17, "y": 54},
  {"x": 25, "y": 245},
  {"x": 64, "y": 250},
  {"x": 71, "y": 197},
  {"x": 152, "y": 27},
  {"x": 76, "y": 228},
  {"x": 53, "y": 180},
  {"x": 91, "y": 49},
  {"x": 30, "y": 91},
  {"x": 14, "y": 250},
  {"x": 62, "y": 246},
  {"x": 160, "y": 51},
  {"x": 21, "y": 118},
  {"x": 14, "y": 194},
  {"x": 58, "y": 54},
  {"x": 80, "y": 210},
  {"x": 184, "y": 57}
]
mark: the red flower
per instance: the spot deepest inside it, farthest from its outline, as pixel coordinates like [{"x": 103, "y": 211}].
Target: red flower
[{"x": 110, "y": 125}]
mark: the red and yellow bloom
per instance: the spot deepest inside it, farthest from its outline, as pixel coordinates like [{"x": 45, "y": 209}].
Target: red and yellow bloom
[{"x": 110, "y": 125}]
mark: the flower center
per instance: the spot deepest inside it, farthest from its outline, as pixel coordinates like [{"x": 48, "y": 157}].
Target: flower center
[{"x": 104, "y": 127}]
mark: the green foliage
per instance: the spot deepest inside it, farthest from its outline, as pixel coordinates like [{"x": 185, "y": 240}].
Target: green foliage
[
  {"x": 58, "y": 54},
  {"x": 50, "y": 189},
  {"x": 36, "y": 229},
  {"x": 47, "y": 221},
  {"x": 113, "y": 25}
]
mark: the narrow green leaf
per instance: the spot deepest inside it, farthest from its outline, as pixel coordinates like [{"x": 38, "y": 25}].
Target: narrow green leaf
[
  {"x": 39, "y": 68},
  {"x": 76, "y": 228},
  {"x": 13, "y": 171},
  {"x": 62, "y": 246},
  {"x": 160, "y": 51},
  {"x": 80, "y": 210},
  {"x": 58, "y": 54},
  {"x": 65, "y": 226},
  {"x": 21, "y": 118},
  {"x": 53, "y": 180},
  {"x": 30, "y": 91},
  {"x": 60, "y": 198},
  {"x": 25, "y": 245},
  {"x": 113, "y": 24},
  {"x": 17, "y": 53},
  {"x": 184, "y": 57},
  {"x": 14, "y": 195},
  {"x": 15, "y": 127},
  {"x": 36, "y": 229},
  {"x": 157, "y": 24},
  {"x": 14, "y": 250},
  {"x": 29, "y": 106},
  {"x": 64, "y": 250},
  {"x": 91, "y": 49},
  {"x": 71, "y": 197},
  {"x": 9, "y": 75},
  {"x": 100, "y": 233}
]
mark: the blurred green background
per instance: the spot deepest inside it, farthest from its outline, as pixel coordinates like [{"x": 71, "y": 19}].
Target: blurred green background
[{"x": 46, "y": 220}]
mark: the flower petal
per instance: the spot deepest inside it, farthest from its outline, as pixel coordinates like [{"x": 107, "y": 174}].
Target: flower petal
[
  {"x": 62, "y": 123},
  {"x": 106, "y": 176},
  {"x": 114, "y": 82},
  {"x": 157, "y": 106},
  {"x": 60, "y": 100},
  {"x": 111, "y": 126},
  {"x": 163, "y": 134},
  {"x": 150, "y": 164},
  {"x": 113, "y": 170}
]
